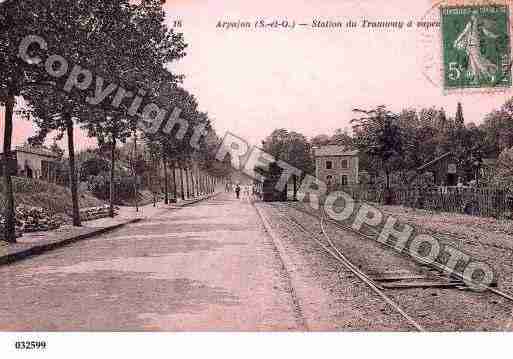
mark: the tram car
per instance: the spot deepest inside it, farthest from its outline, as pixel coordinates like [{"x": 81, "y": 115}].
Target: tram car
[{"x": 269, "y": 192}]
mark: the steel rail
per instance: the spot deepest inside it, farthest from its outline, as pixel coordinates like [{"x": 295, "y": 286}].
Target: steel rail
[
  {"x": 357, "y": 272},
  {"x": 435, "y": 265}
]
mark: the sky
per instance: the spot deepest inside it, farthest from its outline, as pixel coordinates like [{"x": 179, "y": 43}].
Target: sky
[{"x": 307, "y": 79}]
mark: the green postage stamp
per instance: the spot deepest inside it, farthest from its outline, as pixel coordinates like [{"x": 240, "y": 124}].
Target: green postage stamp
[{"x": 476, "y": 46}]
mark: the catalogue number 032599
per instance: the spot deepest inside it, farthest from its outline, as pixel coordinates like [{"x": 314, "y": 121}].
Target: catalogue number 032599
[{"x": 30, "y": 345}]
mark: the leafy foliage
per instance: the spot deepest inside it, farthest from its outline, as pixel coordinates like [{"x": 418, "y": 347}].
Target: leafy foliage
[{"x": 380, "y": 136}]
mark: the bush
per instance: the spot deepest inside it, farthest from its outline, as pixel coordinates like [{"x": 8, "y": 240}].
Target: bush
[
  {"x": 123, "y": 188},
  {"x": 93, "y": 167}
]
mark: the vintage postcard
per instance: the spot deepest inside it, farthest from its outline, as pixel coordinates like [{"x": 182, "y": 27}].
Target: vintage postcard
[{"x": 308, "y": 168}]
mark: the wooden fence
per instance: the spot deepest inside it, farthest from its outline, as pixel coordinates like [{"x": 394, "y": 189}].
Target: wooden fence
[{"x": 484, "y": 202}]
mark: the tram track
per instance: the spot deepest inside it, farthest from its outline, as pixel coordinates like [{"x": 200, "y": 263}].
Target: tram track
[
  {"x": 442, "y": 269},
  {"x": 324, "y": 240},
  {"x": 331, "y": 249}
]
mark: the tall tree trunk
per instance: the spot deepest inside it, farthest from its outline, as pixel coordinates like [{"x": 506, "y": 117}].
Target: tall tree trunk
[
  {"x": 187, "y": 182},
  {"x": 153, "y": 180},
  {"x": 497, "y": 144},
  {"x": 294, "y": 178},
  {"x": 72, "y": 170},
  {"x": 388, "y": 195},
  {"x": 197, "y": 182},
  {"x": 166, "y": 180},
  {"x": 191, "y": 175},
  {"x": 136, "y": 189},
  {"x": 181, "y": 182},
  {"x": 112, "y": 168},
  {"x": 175, "y": 188},
  {"x": 9, "y": 230},
  {"x": 193, "y": 187}
]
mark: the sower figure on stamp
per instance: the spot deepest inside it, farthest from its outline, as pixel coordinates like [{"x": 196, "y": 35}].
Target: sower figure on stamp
[{"x": 470, "y": 41}]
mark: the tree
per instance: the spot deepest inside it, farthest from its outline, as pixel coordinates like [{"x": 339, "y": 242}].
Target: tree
[
  {"x": 55, "y": 148},
  {"x": 135, "y": 49},
  {"x": 97, "y": 35},
  {"x": 504, "y": 175},
  {"x": 176, "y": 141},
  {"x": 15, "y": 20},
  {"x": 293, "y": 148},
  {"x": 299, "y": 155},
  {"x": 342, "y": 138},
  {"x": 53, "y": 110},
  {"x": 207, "y": 156},
  {"x": 56, "y": 19},
  {"x": 155, "y": 153},
  {"x": 126, "y": 44},
  {"x": 378, "y": 134},
  {"x": 459, "y": 120},
  {"x": 320, "y": 140},
  {"x": 498, "y": 127}
]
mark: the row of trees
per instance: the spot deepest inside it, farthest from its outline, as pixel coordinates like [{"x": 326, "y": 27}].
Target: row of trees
[
  {"x": 399, "y": 143},
  {"x": 127, "y": 46}
]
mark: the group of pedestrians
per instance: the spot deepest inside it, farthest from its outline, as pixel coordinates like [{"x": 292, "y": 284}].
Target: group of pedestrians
[{"x": 245, "y": 192}]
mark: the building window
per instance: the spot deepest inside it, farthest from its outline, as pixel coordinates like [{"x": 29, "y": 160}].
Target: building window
[
  {"x": 329, "y": 165},
  {"x": 328, "y": 180},
  {"x": 343, "y": 180},
  {"x": 344, "y": 164}
]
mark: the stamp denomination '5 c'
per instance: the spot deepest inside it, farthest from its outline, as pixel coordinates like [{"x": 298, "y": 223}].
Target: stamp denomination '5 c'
[{"x": 476, "y": 46}]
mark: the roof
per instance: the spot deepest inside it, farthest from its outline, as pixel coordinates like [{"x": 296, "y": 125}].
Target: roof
[
  {"x": 39, "y": 150},
  {"x": 334, "y": 150},
  {"x": 430, "y": 163}
]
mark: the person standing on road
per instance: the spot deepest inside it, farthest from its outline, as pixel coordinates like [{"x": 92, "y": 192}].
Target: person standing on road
[
  {"x": 237, "y": 191},
  {"x": 252, "y": 194},
  {"x": 247, "y": 192}
]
